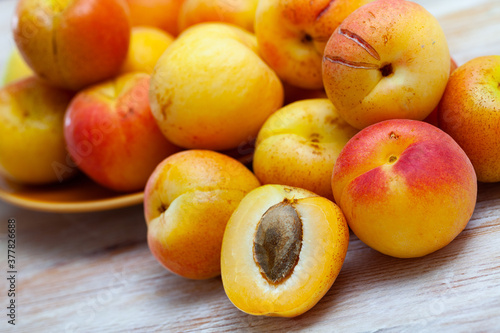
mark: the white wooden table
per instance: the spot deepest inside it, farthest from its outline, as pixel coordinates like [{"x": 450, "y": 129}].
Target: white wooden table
[{"x": 93, "y": 272}]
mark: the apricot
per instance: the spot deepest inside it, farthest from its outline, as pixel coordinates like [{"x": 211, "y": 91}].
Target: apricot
[
  {"x": 292, "y": 36},
  {"x": 388, "y": 59},
  {"x": 238, "y": 12},
  {"x": 72, "y": 44},
  {"x": 470, "y": 112},
  {"x": 406, "y": 188},
  {"x": 282, "y": 250},
  {"x": 147, "y": 44},
  {"x": 112, "y": 136},
  {"x": 32, "y": 145},
  {"x": 298, "y": 146},
  {"x": 211, "y": 90},
  {"x": 161, "y": 14},
  {"x": 187, "y": 202}
]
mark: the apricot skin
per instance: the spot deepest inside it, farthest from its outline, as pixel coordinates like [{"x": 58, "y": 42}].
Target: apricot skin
[
  {"x": 298, "y": 146},
  {"x": 72, "y": 44},
  {"x": 187, "y": 202},
  {"x": 387, "y": 60},
  {"x": 203, "y": 98},
  {"x": 470, "y": 112},
  {"x": 407, "y": 189}
]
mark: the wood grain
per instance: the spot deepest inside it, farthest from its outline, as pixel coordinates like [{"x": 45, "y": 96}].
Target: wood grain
[{"x": 93, "y": 272}]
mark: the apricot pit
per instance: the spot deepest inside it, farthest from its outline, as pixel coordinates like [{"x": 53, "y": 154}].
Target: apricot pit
[{"x": 278, "y": 242}]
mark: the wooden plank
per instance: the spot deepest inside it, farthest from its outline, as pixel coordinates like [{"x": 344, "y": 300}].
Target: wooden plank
[{"x": 93, "y": 272}]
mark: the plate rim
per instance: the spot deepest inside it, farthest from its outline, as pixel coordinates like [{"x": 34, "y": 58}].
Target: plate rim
[
  {"x": 73, "y": 207},
  {"x": 22, "y": 200}
]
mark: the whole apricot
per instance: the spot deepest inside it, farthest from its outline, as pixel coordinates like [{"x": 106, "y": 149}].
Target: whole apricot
[
  {"x": 470, "y": 112},
  {"x": 407, "y": 189},
  {"x": 298, "y": 146},
  {"x": 211, "y": 90},
  {"x": 187, "y": 202}
]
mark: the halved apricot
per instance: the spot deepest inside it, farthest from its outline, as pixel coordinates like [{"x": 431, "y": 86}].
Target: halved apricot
[{"x": 283, "y": 248}]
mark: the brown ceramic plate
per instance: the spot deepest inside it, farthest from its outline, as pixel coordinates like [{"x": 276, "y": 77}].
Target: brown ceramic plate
[{"x": 76, "y": 195}]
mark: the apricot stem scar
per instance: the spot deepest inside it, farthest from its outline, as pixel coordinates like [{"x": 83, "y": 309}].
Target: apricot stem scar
[
  {"x": 393, "y": 135},
  {"x": 361, "y": 42},
  {"x": 162, "y": 208},
  {"x": 307, "y": 38},
  {"x": 386, "y": 70}
]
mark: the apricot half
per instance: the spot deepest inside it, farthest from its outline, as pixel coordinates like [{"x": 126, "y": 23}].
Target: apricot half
[{"x": 283, "y": 248}]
